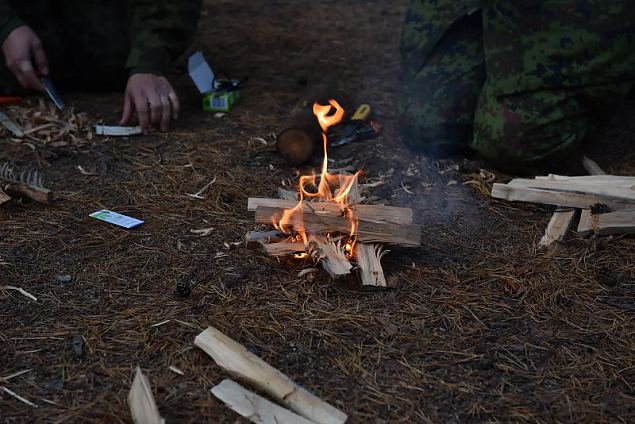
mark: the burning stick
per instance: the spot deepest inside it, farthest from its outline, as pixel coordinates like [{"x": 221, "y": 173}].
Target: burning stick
[
  {"x": 365, "y": 232},
  {"x": 330, "y": 255}
]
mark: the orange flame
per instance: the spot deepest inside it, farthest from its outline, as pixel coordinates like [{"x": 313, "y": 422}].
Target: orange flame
[{"x": 327, "y": 116}]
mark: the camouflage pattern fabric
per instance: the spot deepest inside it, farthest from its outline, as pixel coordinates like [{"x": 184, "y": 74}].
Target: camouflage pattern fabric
[
  {"x": 98, "y": 44},
  {"x": 522, "y": 83}
]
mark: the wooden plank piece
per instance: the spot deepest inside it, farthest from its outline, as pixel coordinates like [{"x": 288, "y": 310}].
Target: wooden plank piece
[
  {"x": 602, "y": 190},
  {"x": 368, "y": 258},
  {"x": 620, "y": 222},
  {"x": 367, "y": 231},
  {"x": 613, "y": 180},
  {"x": 284, "y": 248},
  {"x": 141, "y": 401},
  {"x": 557, "y": 198},
  {"x": 238, "y": 361},
  {"x": 559, "y": 226},
  {"x": 253, "y": 407},
  {"x": 392, "y": 214},
  {"x": 585, "y": 226}
]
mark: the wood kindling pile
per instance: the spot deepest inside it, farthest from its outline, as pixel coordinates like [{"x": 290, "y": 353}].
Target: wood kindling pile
[
  {"x": 602, "y": 204},
  {"x": 377, "y": 225}
]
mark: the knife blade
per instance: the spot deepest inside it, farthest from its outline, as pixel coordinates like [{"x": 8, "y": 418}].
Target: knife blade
[{"x": 50, "y": 90}]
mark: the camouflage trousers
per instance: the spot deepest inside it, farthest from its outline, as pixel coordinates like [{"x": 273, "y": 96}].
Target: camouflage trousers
[
  {"x": 86, "y": 48},
  {"x": 449, "y": 105}
]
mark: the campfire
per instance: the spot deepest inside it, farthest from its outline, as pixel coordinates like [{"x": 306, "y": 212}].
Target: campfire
[{"x": 326, "y": 223}]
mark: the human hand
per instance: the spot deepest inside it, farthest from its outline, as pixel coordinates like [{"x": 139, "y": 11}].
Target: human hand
[
  {"x": 21, "y": 48},
  {"x": 153, "y": 99}
]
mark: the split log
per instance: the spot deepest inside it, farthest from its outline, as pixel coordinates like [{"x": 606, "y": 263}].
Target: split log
[
  {"x": 302, "y": 134},
  {"x": 329, "y": 255},
  {"x": 238, "y": 361},
  {"x": 620, "y": 222},
  {"x": 253, "y": 407},
  {"x": 602, "y": 190},
  {"x": 38, "y": 194},
  {"x": 367, "y": 231},
  {"x": 141, "y": 401},
  {"x": 368, "y": 258},
  {"x": 559, "y": 225},
  {"x": 284, "y": 248},
  {"x": 392, "y": 214},
  {"x": 558, "y": 198},
  {"x": 288, "y": 195}
]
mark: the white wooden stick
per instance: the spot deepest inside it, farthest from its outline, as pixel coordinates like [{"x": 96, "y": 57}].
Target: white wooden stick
[
  {"x": 22, "y": 292},
  {"x": 18, "y": 397},
  {"x": 238, "y": 361},
  {"x": 253, "y": 407}
]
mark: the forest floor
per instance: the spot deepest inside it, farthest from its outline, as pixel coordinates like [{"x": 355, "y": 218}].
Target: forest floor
[{"x": 482, "y": 325}]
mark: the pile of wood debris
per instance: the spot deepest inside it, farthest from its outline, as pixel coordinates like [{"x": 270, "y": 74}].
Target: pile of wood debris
[
  {"x": 41, "y": 124},
  {"x": 598, "y": 204}
]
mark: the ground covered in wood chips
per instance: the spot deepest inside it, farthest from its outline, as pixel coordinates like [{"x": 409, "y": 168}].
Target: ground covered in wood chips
[{"x": 482, "y": 326}]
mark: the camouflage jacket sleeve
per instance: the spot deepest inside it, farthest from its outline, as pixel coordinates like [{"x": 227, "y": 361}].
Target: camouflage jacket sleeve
[
  {"x": 9, "y": 19},
  {"x": 160, "y": 31}
]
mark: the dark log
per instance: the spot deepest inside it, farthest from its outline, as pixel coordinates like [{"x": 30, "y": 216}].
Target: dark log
[{"x": 302, "y": 135}]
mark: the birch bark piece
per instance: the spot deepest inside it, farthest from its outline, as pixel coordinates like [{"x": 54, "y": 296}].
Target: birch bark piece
[
  {"x": 238, "y": 361},
  {"x": 253, "y": 407}
]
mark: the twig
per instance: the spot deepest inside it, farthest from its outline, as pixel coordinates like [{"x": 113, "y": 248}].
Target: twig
[
  {"x": 197, "y": 195},
  {"x": 22, "y": 292},
  {"x": 18, "y": 397}
]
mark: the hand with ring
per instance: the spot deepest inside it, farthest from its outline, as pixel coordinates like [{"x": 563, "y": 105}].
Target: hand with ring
[{"x": 153, "y": 100}]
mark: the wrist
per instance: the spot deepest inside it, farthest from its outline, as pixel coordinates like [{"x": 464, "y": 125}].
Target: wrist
[{"x": 145, "y": 70}]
